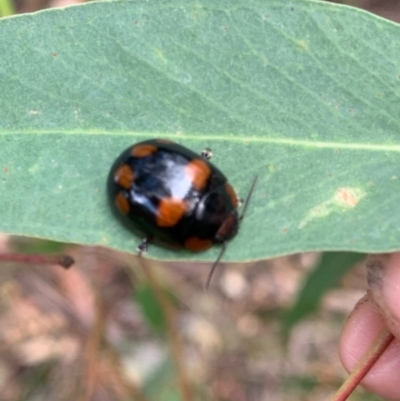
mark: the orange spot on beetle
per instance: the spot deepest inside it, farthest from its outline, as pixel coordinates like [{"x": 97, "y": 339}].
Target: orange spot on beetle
[
  {"x": 196, "y": 244},
  {"x": 228, "y": 228},
  {"x": 198, "y": 173},
  {"x": 170, "y": 211},
  {"x": 124, "y": 176},
  {"x": 143, "y": 150},
  {"x": 122, "y": 203}
]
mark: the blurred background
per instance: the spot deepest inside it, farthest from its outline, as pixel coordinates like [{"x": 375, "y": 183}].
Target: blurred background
[
  {"x": 116, "y": 328},
  {"x": 100, "y": 330}
]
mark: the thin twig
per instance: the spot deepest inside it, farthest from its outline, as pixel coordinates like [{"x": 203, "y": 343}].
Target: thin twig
[
  {"x": 130, "y": 389},
  {"x": 93, "y": 346},
  {"x": 364, "y": 365},
  {"x": 174, "y": 338},
  {"x": 65, "y": 261}
]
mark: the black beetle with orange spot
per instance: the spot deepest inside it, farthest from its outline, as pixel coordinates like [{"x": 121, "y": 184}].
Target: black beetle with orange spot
[{"x": 171, "y": 195}]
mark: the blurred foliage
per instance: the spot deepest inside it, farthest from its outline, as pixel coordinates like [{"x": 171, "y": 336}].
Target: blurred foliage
[
  {"x": 31, "y": 245},
  {"x": 150, "y": 307},
  {"x": 6, "y": 8},
  {"x": 326, "y": 275}
]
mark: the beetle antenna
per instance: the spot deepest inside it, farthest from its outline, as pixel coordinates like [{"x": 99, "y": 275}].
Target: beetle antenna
[
  {"x": 223, "y": 249},
  {"x": 246, "y": 203},
  {"x": 214, "y": 266}
]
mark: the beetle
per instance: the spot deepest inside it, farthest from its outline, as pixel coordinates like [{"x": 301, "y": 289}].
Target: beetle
[{"x": 169, "y": 194}]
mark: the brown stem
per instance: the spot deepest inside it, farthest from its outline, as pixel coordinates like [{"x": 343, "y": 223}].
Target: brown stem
[
  {"x": 364, "y": 365},
  {"x": 173, "y": 334},
  {"x": 103, "y": 363},
  {"x": 93, "y": 348},
  {"x": 39, "y": 259},
  {"x": 130, "y": 390}
]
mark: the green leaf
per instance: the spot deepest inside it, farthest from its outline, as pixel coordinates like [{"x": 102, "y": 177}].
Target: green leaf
[
  {"x": 162, "y": 384},
  {"x": 326, "y": 275},
  {"x": 303, "y": 94},
  {"x": 23, "y": 245},
  {"x": 162, "y": 380},
  {"x": 150, "y": 307},
  {"x": 6, "y": 8}
]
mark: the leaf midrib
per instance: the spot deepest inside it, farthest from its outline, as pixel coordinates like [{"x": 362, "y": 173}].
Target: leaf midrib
[{"x": 220, "y": 138}]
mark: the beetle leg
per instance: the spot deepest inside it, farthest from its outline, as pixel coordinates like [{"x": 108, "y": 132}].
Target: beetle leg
[
  {"x": 206, "y": 154},
  {"x": 143, "y": 246}
]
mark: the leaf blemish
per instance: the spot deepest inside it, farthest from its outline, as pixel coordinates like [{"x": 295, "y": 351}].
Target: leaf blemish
[
  {"x": 348, "y": 197},
  {"x": 159, "y": 54},
  {"x": 344, "y": 198},
  {"x": 301, "y": 44},
  {"x": 271, "y": 168}
]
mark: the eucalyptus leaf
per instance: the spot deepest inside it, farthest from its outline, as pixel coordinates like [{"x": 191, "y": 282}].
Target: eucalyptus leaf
[{"x": 303, "y": 94}]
